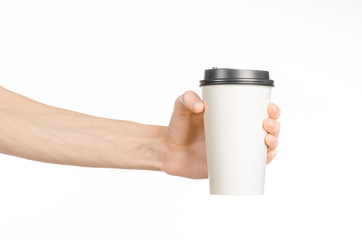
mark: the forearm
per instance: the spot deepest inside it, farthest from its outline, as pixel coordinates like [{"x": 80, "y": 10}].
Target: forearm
[{"x": 40, "y": 132}]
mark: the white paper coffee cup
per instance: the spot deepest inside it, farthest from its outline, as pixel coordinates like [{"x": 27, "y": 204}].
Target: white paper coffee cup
[{"x": 235, "y": 106}]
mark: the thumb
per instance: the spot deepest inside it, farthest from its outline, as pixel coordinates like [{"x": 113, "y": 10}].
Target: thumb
[{"x": 189, "y": 101}]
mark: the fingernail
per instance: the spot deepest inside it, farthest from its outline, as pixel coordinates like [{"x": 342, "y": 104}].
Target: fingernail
[{"x": 196, "y": 105}]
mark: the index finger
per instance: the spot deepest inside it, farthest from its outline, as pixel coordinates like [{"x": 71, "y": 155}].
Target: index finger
[{"x": 273, "y": 111}]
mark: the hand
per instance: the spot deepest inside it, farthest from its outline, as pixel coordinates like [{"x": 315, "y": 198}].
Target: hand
[{"x": 185, "y": 153}]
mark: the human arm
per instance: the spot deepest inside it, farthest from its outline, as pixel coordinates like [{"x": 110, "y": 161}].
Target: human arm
[{"x": 36, "y": 131}]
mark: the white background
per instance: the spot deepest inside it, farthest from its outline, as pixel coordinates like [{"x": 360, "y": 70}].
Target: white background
[{"x": 131, "y": 59}]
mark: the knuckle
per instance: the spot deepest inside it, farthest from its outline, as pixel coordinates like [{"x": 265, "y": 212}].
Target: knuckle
[
  {"x": 276, "y": 143},
  {"x": 274, "y": 127},
  {"x": 277, "y": 126}
]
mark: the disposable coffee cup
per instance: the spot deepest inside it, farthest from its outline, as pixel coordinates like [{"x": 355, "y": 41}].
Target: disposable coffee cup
[{"x": 236, "y": 104}]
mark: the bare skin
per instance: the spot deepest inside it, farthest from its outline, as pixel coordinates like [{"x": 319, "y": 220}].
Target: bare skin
[{"x": 40, "y": 132}]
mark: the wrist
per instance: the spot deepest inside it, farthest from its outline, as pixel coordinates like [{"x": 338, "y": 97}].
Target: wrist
[
  {"x": 160, "y": 149},
  {"x": 141, "y": 146}
]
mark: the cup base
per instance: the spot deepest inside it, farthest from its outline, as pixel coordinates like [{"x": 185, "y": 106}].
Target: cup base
[{"x": 237, "y": 194}]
